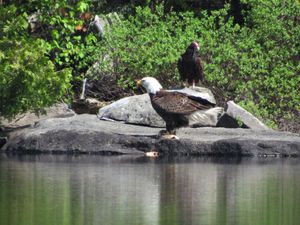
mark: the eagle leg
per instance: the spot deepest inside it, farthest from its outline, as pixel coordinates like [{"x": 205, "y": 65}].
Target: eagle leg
[{"x": 193, "y": 84}]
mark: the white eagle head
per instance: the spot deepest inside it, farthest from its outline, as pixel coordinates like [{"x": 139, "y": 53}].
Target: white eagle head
[{"x": 150, "y": 84}]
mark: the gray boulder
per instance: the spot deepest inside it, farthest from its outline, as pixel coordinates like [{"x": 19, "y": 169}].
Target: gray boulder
[
  {"x": 249, "y": 120},
  {"x": 29, "y": 118},
  {"x": 135, "y": 110},
  {"x": 98, "y": 24},
  {"x": 86, "y": 134},
  {"x": 102, "y": 23},
  {"x": 86, "y": 105},
  {"x": 138, "y": 110}
]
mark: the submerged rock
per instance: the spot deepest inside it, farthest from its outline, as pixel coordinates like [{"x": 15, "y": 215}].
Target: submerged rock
[{"x": 87, "y": 134}]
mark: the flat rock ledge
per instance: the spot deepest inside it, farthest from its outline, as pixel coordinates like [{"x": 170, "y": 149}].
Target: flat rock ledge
[{"x": 89, "y": 135}]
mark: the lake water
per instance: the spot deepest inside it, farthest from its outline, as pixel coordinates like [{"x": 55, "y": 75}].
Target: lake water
[{"x": 129, "y": 190}]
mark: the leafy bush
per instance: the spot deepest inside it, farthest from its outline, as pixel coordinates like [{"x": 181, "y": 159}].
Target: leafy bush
[
  {"x": 256, "y": 65},
  {"x": 28, "y": 80},
  {"x": 37, "y": 65},
  {"x": 259, "y": 62},
  {"x": 65, "y": 27},
  {"x": 147, "y": 44}
]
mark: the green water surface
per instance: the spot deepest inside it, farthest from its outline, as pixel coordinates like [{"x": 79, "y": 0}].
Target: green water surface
[{"x": 129, "y": 190}]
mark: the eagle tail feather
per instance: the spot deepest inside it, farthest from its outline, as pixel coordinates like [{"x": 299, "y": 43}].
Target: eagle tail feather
[{"x": 207, "y": 117}]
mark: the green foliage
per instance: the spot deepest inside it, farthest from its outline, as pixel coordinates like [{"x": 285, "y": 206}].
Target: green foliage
[
  {"x": 12, "y": 25},
  {"x": 28, "y": 80},
  {"x": 256, "y": 64},
  {"x": 66, "y": 28},
  {"x": 39, "y": 63},
  {"x": 259, "y": 62},
  {"x": 148, "y": 44}
]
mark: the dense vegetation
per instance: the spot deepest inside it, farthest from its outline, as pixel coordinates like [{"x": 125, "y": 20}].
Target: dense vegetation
[
  {"x": 28, "y": 78},
  {"x": 250, "y": 50}
]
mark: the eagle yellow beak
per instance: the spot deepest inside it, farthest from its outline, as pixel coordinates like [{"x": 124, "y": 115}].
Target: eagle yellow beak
[
  {"x": 139, "y": 83},
  {"x": 140, "y": 86}
]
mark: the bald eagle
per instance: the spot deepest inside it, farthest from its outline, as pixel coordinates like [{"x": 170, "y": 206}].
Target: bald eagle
[
  {"x": 190, "y": 66},
  {"x": 176, "y": 109}
]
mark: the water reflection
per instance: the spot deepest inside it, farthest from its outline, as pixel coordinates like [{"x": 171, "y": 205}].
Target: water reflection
[{"x": 49, "y": 189}]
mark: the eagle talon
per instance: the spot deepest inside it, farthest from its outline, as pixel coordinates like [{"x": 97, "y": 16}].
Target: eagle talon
[
  {"x": 170, "y": 136},
  {"x": 162, "y": 133}
]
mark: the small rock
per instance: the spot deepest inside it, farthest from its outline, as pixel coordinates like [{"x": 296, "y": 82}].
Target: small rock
[{"x": 88, "y": 105}]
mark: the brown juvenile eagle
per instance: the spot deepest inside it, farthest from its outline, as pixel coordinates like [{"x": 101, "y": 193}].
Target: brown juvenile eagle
[
  {"x": 177, "y": 109},
  {"x": 190, "y": 66}
]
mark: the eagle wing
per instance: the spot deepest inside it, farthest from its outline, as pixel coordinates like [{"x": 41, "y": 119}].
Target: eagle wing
[
  {"x": 198, "y": 69},
  {"x": 180, "y": 66},
  {"x": 178, "y": 103}
]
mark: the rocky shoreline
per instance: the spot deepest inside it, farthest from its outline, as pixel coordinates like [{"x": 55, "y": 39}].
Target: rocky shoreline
[
  {"x": 131, "y": 126},
  {"x": 87, "y": 134}
]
